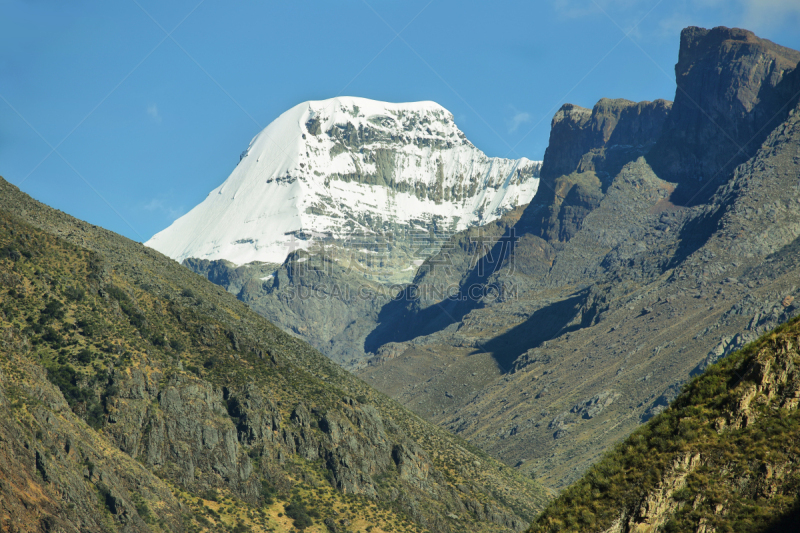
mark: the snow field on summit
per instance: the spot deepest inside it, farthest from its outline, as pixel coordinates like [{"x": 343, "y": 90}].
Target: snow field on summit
[{"x": 345, "y": 166}]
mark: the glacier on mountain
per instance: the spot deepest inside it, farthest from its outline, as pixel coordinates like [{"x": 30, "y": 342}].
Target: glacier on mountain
[{"x": 348, "y": 166}]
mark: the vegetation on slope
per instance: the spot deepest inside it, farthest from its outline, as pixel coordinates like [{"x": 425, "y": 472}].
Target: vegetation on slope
[
  {"x": 249, "y": 427},
  {"x": 723, "y": 457}
]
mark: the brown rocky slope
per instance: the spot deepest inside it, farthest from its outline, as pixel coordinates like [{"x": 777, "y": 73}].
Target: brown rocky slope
[
  {"x": 725, "y": 456},
  {"x": 137, "y": 396},
  {"x": 620, "y": 288}
]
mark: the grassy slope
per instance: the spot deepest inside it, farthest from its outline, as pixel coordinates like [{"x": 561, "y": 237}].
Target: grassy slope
[
  {"x": 723, "y": 457},
  {"x": 92, "y": 299}
]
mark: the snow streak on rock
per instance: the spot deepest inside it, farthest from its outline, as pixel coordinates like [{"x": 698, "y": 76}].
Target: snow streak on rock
[{"x": 348, "y": 166}]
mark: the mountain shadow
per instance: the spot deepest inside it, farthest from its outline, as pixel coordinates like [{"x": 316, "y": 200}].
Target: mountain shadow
[
  {"x": 543, "y": 325},
  {"x": 695, "y": 234},
  {"x": 788, "y": 522},
  {"x": 434, "y": 302}
]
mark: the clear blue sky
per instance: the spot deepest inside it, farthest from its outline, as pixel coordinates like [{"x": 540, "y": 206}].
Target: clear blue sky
[{"x": 145, "y": 124}]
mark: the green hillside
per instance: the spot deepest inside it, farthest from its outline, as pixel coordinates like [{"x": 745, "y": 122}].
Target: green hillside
[
  {"x": 142, "y": 397},
  {"x": 724, "y": 457}
]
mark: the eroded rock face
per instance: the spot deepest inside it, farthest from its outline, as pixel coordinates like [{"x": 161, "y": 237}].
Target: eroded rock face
[
  {"x": 569, "y": 140},
  {"x": 575, "y": 131},
  {"x": 774, "y": 379},
  {"x": 56, "y": 473},
  {"x": 182, "y": 426},
  {"x": 650, "y": 291},
  {"x": 657, "y": 507},
  {"x": 722, "y": 455},
  {"x": 587, "y": 149},
  {"x": 205, "y": 438},
  {"x": 734, "y": 88}
]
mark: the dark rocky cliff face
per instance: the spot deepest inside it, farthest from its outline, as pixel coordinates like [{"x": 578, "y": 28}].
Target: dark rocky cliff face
[
  {"x": 226, "y": 274},
  {"x": 576, "y": 131},
  {"x": 619, "y": 286},
  {"x": 569, "y": 140},
  {"x": 733, "y": 89},
  {"x": 587, "y": 148}
]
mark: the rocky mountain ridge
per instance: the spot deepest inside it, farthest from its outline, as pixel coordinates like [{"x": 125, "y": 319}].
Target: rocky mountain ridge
[
  {"x": 594, "y": 143},
  {"x": 734, "y": 88},
  {"x": 356, "y": 180},
  {"x": 619, "y": 287},
  {"x": 139, "y": 397},
  {"x": 723, "y": 456}
]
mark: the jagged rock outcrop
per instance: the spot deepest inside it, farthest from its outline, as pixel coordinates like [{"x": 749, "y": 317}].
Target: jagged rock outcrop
[
  {"x": 657, "y": 507},
  {"x": 587, "y": 149},
  {"x": 734, "y": 88},
  {"x": 228, "y": 275},
  {"x": 58, "y": 474},
  {"x": 577, "y": 131},
  {"x": 724, "y": 456},
  {"x": 617, "y": 284}
]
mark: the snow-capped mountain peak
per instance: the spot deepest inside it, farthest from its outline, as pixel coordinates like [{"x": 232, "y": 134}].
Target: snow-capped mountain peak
[{"x": 348, "y": 166}]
